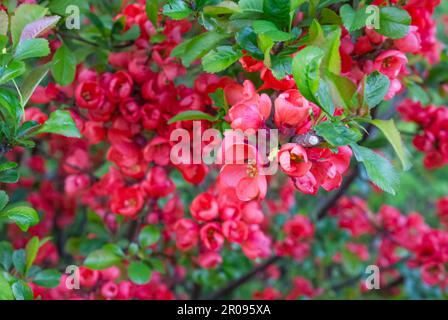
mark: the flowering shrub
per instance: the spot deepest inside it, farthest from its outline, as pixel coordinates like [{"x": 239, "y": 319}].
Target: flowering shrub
[{"x": 223, "y": 149}]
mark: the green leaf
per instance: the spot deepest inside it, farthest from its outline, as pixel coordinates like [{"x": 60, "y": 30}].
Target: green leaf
[
  {"x": 148, "y": 236},
  {"x": 337, "y": 134},
  {"x": 25, "y": 14},
  {"x": 6, "y": 251},
  {"x": 18, "y": 261},
  {"x": 380, "y": 170},
  {"x": 4, "y": 199},
  {"x": 305, "y": 69},
  {"x": 247, "y": 40},
  {"x": 177, "y": 9},
  {"x": 32, "y": 48},
  {"x": 195, "y": 48},
  {"x": 375, "y": 89},
  {"x": 63, "y": 67},
  {"x": 22, "y": 291},
  {"x": 31, "y": 249},
  {"x": 269, "y": 29},
  {"x": 394, "y": 22},
  {"x": 5, "y": 289},
  {"x": 392, "y": 134},
  {"x": 139, "y": 272},
  {"x": 152, "y": 10},
  {"x": 222, "y": 8},
  {"x": 278, "y": 11},
  {"x": 101, "y": 259},
  {"x": 281, "y": 66},
  {"x": 4, "y": 23},
  {"x": 341, "y": 89},
  {"x": 22, "y": 215},
  {"x": 353, "y": 19},
  {"x": 8, "y": 165},
  {"x": 251, "y": 6},
  {"x": 60, "y": 122},
  {"x": 417, "y": 93},
  {"x": 3, "y": 42},
  {"x": 13, "y": 70},
  {"x": 31, "y": 82},
  {"x": 60, "y": 6},
  {"x": 9, "y": 176},
  {"x": 332, "y": 58},
  {"x": 130, "y": 35},
  {"x": 220, "y": 59},
  {"x": 192, "y": 115},
  {"x": 351, "y": 262},
  {"x": 47, "y": 278},
  {"x": 10, "y": 109}
]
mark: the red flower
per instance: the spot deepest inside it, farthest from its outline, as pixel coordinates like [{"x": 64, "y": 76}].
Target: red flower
[
  {"x": 204, "y": 207},
  {"x": 211, "y": 236},
  {"x": 157, "y": 183},
  {"x": 89, "y": 95},
  {"x": 127, "y": 201},
  {"x": 120, "y": 86},
  {"x": 187, "y": 234},
  {"x": 291, "y": 109},
  {"x": 293, "y": 160}
]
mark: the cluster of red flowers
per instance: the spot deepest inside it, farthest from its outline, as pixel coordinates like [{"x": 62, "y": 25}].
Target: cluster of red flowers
[
  {"x": 427, "y": 248},
  {"x": 432, "y": 135},
  {"x": 123, "y": 115},
  {"x": 104, "y": 285}
]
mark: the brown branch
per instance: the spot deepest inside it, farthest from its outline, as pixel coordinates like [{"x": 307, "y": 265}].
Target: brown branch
[{"x": 242, "y": 280}]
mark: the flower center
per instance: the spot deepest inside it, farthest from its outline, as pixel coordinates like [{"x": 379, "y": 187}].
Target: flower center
[{"x": 252, "y": 170}]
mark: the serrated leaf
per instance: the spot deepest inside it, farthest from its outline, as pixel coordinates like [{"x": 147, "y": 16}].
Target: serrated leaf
[
  {"x": 394, "y": 22},
  {"x": 11, "y": 71},
  {"x": 281, "y": 66},
  {"x": 379, "y": 169},
  {"x": 32, "y": 48},
  {"x": 31, "y": 82},
  {"x": 39, "y": 27},
  {"x": 220, "y": 59},
  {"x": 60, "y": 122},
  {"x": 177, "y": 9},
  {"x": 63, "y": 67},
  {"x": 23, "y": 15},
  {"x": 353, "y": 19},
  {"x": 392, "y": 134},
  {"x": 270, "y": 30},
  {"x": 247, "y": 40},
  {"x": 337, "y": 134},
  {"x": 305, "y": 69},
  {"x": 195, "y": 48},
  {"x": 375, "y": 88}
]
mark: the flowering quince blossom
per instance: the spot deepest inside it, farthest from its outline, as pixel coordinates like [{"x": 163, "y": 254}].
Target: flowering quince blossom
[{"x": 97, "y": 148}]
